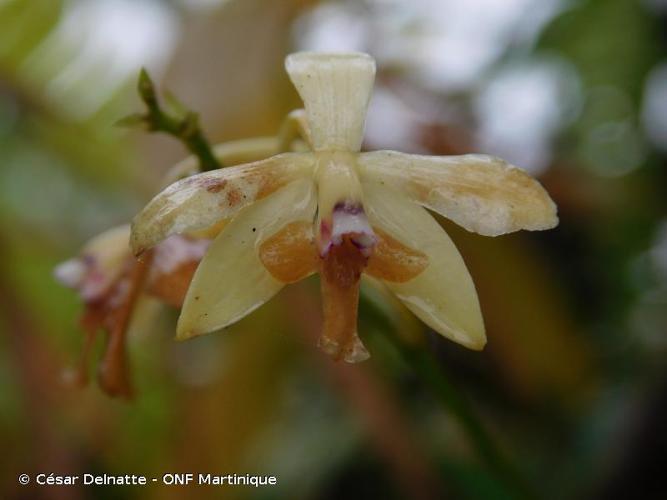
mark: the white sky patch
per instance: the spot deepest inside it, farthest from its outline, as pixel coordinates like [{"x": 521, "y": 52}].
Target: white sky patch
[
  {"x": 97, "y": 47},
  {"x": 449, "y": 46},
  {"x": 521, "y": 109},
  {"x": 613, "y": 144},
  {"x": 446, "y": 44},
  {"x": 654, "y": 109},
  {"x": 332, "y": 28},
  {"x": 459, "y": 40},
  {"x": 203, "y": 5},
  {"x": 390, "y": 124}
]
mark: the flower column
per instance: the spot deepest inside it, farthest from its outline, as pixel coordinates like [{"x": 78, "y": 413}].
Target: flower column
[{"x": 335, "y": 90}]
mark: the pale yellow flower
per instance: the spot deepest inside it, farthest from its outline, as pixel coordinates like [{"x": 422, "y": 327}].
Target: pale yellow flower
[
  {"x": 342, "y": 213},
  {"x": 109, "y": 279}
]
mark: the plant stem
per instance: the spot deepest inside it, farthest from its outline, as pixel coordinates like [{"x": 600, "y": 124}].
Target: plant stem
[
  {"x": 184, "y": 125},
  {"x": 432, "y": 373}
]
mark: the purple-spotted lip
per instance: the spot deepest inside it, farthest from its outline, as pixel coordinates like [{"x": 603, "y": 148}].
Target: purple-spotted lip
[{"x": 348, "y": 219}]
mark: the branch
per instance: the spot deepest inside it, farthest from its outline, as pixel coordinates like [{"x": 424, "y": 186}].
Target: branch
[{"x": 183, "y": 125}]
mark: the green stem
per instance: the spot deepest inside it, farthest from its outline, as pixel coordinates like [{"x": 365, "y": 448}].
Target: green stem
[
  {"x": 184, "y": 126},
  {"x": 197, "y": 144},
  {"x": 432, "y": 373}
]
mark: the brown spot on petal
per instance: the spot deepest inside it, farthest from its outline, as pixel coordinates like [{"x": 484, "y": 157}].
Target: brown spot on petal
[
  {"x": 214, "y": 185},
  {"x": 393, "y": 261},
  {"x": 268, "y": 183},
  {"x": 210, "y": 184},
  {"x": 234, "y": 197},
  {"x": 290, "y": 254}
]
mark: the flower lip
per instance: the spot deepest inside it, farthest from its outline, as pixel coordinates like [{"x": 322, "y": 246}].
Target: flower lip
[
  {"x": 348, "y": 220},
  {"x": 340, "y": 272}
]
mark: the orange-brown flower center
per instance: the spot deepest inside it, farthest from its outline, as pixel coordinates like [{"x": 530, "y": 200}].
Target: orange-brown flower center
[
  {"x": 340, "y": 272},
  {"x": 291, "y": 254}
]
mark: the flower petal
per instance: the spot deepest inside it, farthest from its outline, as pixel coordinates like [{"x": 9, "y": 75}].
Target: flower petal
[
  {"x": 443, "y": 294},
  {"x": 98, "y": 265},
  {"x": 231, "y": 280},
  {"x": 335, "y": 89},
  {"x": 290, "y": 255},
  {"x": 175, "y": 261},
  {"x": 483, "y": 194},
  {"x": 199, "y": 201},
  {"x": 228, "y": 153},
  {"x": 393, "y": 261}
]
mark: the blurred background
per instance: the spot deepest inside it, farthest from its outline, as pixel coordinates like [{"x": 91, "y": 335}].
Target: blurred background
[{"x": 567, "y": 400}]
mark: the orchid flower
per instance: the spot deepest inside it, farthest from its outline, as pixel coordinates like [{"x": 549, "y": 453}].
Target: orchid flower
[
  {"x": 342, "y": 213},
  {"x": 110, "y": 281}
]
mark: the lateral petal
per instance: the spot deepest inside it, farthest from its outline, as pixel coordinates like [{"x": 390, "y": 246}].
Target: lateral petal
[
  {"x": 199, "y": 201},
  {"x": 231, "y": 280},
  {"x": 393, "y": 261},
  {"x": 175, "y": 261},
  {"x": 442, "y": 295},
  {"x": 290, "y": 254},
  {"x": 483, "y": 194}
]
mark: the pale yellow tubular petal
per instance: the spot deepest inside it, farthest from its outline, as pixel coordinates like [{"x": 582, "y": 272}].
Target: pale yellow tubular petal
[
  {"x": 231, "y": 280},
  {"x": 335, "y": 89},
  {"x": 199, "y": 201},
  {"x": 442, "y": 295},
  {"x": 483, "y": 194}
]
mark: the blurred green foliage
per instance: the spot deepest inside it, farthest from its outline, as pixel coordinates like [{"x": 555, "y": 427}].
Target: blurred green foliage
[{"x": 567, "y": 390}]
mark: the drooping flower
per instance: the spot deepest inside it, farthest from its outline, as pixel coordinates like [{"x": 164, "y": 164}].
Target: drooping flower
[
  {"x": 110, "y": 280},
  {"x": 342, "y": 213}
]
